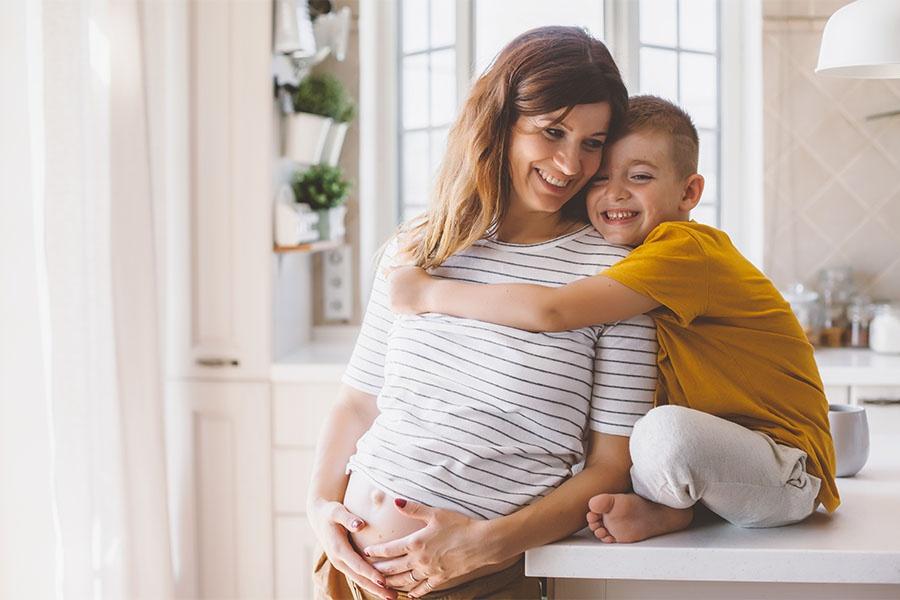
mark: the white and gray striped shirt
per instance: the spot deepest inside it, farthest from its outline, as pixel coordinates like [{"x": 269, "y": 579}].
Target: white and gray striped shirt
[{"x": 484, "y": 419}]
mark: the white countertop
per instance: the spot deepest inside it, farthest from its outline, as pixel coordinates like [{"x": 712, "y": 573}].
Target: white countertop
[
  {"x": 325, "y": 359},
  {"x": 859, "y": 543},
  {"x": 849, "y": 366}
]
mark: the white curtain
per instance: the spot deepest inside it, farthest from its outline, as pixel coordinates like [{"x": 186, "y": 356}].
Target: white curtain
[{"x": 82, "y": 456}]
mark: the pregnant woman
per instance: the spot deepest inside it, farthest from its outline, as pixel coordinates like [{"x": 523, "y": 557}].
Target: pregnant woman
[{"x": 453, "y": 444}]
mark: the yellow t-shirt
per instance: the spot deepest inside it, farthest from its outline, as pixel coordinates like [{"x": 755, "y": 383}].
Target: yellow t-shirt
[{"x": 729, "y": 344}]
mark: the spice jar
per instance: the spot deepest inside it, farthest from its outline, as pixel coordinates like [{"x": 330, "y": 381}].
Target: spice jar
[
  {"x": 859, "y": 312},
  {"x": 834, "y": 285},
  {"x": 805, "y": 305}
]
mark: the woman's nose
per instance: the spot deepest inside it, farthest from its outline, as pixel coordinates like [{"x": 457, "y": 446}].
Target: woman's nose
[{"x": 567, "y": 160}]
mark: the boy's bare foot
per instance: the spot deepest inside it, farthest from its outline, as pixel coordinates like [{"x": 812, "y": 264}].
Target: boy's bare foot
[{"x": 630, "y": 518}]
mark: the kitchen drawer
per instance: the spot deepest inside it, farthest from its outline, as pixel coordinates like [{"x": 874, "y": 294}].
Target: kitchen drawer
[
  {"x": 296, "y": 551},
  {"x": 299, "y": 410},
  {"x": 291, "y": 471},
  {"x": 882, "y": 405}
]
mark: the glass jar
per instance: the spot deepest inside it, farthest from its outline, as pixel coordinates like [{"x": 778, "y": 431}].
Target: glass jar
[
  {"x": 859, "y": 313},
  {"x": 835, "y": 287},
  {"x": 805, "y": 304}
]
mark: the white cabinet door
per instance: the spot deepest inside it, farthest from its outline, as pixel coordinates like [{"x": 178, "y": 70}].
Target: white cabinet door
[
  {"x": 220, "y": 231},
  {"x": 298, "y": 412},
  {"x": 218, "y": 437},
  {"x": 882, "y": 404}
]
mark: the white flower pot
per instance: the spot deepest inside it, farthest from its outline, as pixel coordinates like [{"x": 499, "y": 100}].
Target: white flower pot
[
  {"x": 305, "y": 137},
  {"x": 331, "y": 223},
  {"x": 336, "y": 134},
  {"x": 294, "y": 223}
]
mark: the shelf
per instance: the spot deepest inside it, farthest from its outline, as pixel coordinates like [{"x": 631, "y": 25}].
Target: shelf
[{"x": 310, "y": 247}]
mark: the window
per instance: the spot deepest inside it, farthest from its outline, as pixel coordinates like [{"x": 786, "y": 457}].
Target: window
[
  {"x": 430, "y": 84},
  {"x": 679, "y": 60},
  {"x": 703, "y": 54},
  {"x": 428, "y": 95}
]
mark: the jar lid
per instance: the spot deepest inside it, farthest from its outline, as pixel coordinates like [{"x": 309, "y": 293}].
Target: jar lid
[
  {"x": 886, "y": 308},
  {"x": 799, "y": 293}
]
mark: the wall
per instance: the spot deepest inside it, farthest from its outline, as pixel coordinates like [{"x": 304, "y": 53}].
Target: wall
[
  {"x": 348, "y": 72},
  {"x": 832, "y": 177}
]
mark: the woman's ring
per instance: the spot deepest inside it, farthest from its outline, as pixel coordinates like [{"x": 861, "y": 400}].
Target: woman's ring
[
  {"x": 413, "y": 575},
  {"x": 427, "y": 586}
]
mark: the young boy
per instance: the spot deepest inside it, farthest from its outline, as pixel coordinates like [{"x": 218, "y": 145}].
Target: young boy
[{"x": 741, "y": 420}]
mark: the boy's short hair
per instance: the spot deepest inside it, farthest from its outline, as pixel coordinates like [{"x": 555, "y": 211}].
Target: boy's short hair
[{"x": 653, "y": 114}]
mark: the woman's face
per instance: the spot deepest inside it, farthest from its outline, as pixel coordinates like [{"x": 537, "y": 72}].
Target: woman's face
[{"x": 549, "y": 162}]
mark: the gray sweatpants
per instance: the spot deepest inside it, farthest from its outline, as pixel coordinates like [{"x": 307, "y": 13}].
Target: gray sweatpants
[{"x": 682, "y": 456}]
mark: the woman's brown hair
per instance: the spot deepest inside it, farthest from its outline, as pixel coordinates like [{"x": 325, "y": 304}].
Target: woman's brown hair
[{"x": 539, "y": 72}]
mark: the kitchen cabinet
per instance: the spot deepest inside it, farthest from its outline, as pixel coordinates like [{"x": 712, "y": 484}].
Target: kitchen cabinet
[
  {"x": 865, "y": 378},
  {"x": 298, "y": 412},
  {"x": 217, "y": 264},
  {"x": 220, "y": 488},
  {"x": 219, "y": 237},
  {"x": 882, "y": 404}
]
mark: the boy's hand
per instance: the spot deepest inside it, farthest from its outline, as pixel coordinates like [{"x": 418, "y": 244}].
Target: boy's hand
[{"x": 407, "y": 289}]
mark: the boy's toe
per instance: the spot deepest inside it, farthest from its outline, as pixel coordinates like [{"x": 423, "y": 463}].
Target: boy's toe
[{"x": 601, "y": 503}]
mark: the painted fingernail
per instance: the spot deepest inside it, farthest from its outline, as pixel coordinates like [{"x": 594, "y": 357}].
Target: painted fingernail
[
  {"x": 356, "y": 524},
  {"x": 400, "y": 502}
]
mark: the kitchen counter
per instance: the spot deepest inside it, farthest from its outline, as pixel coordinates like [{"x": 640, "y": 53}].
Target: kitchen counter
[
  {"x": 852, "y": 366},
  {"x": 858, "y": 544},
  {"x": 838, "y": 366}
]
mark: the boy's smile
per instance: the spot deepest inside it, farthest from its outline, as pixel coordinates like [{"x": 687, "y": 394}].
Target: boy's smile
[{"x": 638, "y": 187}]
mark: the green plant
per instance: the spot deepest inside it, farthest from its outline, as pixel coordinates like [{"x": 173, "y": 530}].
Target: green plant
[
  {"x": 320, "y": 186},
  {"x": 323, "y": 94},
  {"x": 348, "y": 113}
]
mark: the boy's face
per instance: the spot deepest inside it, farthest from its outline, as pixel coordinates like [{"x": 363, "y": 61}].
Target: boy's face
[{"x": 637, "y": 188}]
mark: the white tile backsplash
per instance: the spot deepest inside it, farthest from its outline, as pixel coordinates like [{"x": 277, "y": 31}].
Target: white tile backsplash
[{"x": 832, "y": 178}]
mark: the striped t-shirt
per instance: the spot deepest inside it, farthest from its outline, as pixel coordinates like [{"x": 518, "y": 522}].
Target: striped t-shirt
[{"x": 482, "y": 418}]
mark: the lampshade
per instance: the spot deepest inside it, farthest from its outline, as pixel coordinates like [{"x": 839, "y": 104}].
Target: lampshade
[{"x": 862, "y": 39}]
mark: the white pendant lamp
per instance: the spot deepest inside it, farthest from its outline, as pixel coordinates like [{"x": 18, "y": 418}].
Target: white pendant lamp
[{"x": 862, "y": 40}]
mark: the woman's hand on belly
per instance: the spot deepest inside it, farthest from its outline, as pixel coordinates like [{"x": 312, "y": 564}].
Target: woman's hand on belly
[
  {"x": 331, "y": 522},
  {"x": 450, "y": 549}
]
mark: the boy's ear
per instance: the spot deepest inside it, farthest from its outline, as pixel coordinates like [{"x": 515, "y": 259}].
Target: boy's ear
[{"x": 693, "y": 190}]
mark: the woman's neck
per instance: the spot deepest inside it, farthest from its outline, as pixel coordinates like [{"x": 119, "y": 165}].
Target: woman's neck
[{"x": 534, "y": 228}]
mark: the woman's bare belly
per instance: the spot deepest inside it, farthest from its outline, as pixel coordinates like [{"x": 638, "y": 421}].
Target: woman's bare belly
[{"x": 385, "y": 523}]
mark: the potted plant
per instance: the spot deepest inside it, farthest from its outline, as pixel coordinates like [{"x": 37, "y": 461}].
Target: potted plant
[
  {"x": 325, "y": 190},
  {"x": 318, "y": 101}
]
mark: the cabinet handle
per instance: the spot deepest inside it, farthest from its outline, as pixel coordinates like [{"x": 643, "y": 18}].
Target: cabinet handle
[
  {"x": 218, "y": 362},
  {"x": 882, "y": 401}
]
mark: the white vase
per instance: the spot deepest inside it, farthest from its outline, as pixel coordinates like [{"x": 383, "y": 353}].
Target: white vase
[
  {"x": 331, "y": 155},
  {"x": 305, "y": 137},
  {"x": 294, "y": 223},
  {"x": 331, "y": 223}
]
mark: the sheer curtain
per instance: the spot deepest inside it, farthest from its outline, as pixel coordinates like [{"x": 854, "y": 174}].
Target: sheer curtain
[{"x": 82, "y": 456}]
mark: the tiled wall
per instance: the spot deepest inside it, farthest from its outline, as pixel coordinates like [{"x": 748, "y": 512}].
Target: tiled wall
[{"x": 832, "y": 176}]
